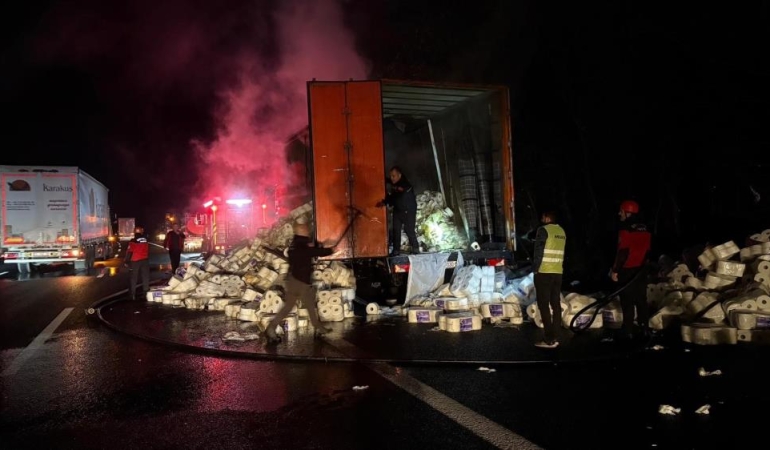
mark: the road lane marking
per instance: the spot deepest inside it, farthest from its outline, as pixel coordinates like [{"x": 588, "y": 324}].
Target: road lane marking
[
  {"x": 481, "y": 426},
  {"x": 37, "y": 343}
]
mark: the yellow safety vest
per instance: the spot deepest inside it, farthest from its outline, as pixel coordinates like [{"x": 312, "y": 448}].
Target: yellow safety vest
[{"x": 553, "y": 254}]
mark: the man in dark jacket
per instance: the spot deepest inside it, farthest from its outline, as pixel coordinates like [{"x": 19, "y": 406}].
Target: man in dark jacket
[
  {"x": 298, "y": 282},
  {"x": 630, "y": 267},
  {"x": 174, "y": 243},
  {"x": 401, "y": 197},
  {"x": 137, "y": 259}
]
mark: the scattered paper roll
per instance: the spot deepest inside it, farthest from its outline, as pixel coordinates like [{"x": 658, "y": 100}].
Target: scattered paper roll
[
  {"x": 763, "y": 302},
  {"x": 761, "y": 267},
  {"x": 373, "y": 309}
]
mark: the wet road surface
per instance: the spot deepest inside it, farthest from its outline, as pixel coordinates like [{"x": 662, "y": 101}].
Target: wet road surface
[{"x": 70, "y": 382}]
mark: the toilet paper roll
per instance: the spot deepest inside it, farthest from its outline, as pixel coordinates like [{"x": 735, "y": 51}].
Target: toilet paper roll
[
  {"x": 372, "y": 309},
  {"x": 265, "y": 306},
  {"x": 763, "y": 302},
  {"x": 324, "y": 295},
  {"x": 335, "y": 300},
  {"x": 276, "y": 306},
  {"x": 290, "y": 323},
  {"x": 761, "y": 267},
  {"x": 302, "y": 322},
  {"x": 745, "y": 254},
  {"x": 322, "y": 303}
]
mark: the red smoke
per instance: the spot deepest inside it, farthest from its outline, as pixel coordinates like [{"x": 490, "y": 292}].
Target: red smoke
[{"x": 267, "y": 105}]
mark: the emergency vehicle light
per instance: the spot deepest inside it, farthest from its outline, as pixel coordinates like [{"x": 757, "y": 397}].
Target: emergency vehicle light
[{"x": 238, "y": 201}]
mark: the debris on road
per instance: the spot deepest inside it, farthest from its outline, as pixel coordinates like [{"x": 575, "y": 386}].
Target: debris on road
[
  {"x": 703, "y": 409},
  {"x": 705, "y": 373},
  {"x": 669, "y": 410}
]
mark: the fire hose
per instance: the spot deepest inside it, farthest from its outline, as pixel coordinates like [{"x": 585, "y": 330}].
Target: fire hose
[{"x": 600, "y": 303}]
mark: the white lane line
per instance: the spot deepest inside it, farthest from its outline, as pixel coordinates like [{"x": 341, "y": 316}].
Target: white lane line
[
  {"x": 481, "y": 426},
  {"x": 3, "y": 273},
  {"x": 36, "y": 344}
]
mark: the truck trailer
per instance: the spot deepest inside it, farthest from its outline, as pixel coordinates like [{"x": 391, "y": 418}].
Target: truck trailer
[
  {"x": 452, "y": 139},
  {"x": 53, "y": 214}
]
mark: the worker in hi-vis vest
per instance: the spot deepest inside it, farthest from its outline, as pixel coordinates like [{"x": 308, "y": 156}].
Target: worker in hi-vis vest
[{"x": 548, "y": 268}]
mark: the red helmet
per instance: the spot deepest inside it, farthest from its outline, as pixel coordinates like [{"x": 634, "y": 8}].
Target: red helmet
[{"x": 630, "y": 206}]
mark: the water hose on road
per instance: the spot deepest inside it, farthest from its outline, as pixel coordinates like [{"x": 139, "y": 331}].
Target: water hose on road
[
  {"x": 600, "y": 303},
  {"x": 94, "y": 307}
]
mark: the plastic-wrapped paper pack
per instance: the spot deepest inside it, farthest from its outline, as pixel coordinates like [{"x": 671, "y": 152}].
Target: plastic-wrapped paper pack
[
  {"x": 730, "y": 268},
  {"x": 725, "y": 251}
]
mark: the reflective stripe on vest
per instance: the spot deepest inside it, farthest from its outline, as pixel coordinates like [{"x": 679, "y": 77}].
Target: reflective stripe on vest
[{"x": 553, "y": 255}]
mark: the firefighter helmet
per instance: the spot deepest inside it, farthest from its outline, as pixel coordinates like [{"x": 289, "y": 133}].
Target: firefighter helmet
[{"x": 629, "y": 206}]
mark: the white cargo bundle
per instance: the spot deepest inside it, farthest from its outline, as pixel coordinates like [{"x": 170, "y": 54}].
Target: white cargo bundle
[
  {"x": 733, "y": 296},
  {"x": 247, "y": 284}
]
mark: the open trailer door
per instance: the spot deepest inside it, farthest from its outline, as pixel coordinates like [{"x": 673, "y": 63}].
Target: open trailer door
[{"x": 348, "y": 166}]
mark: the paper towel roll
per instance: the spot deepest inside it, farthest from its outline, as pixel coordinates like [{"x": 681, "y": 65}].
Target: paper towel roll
[{"x": 373, "y": 309}]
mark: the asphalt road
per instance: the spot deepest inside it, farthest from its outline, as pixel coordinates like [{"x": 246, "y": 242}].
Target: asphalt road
[{"x": 68, "y": 382}]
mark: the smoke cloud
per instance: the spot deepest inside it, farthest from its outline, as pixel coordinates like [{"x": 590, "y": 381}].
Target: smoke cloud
[
  {"x": 267, "y": 103},
  {"x": 181, "y": 101}
]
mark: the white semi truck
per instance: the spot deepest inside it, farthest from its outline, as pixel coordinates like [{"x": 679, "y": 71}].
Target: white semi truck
[{"x": 53, "y": 214}]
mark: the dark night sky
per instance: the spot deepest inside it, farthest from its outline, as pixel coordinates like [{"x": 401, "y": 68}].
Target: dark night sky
[{"x": 617, "y": 99}]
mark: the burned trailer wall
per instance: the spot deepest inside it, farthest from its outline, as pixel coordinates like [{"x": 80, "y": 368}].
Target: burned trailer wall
[{"x": 460, "y": 155}]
